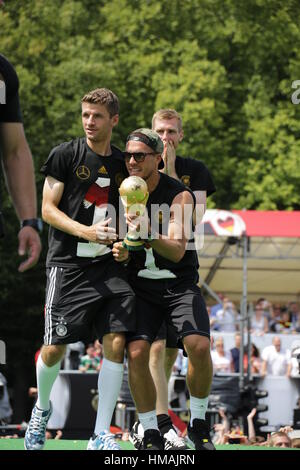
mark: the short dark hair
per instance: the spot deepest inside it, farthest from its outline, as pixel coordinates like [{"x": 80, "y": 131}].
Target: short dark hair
[{"x": 105, "y": 97}]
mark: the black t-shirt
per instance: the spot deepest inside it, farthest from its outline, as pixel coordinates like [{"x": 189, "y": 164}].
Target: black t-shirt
[
  {"x": 194, "y": 175},
  {"x": 9, "y": 104},
  {"x": 91, "y": 183},
  {"x": 9, "y": 94},
  {"x": 147, "y": 263}
]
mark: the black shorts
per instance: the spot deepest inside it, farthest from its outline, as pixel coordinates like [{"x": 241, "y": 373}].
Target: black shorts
[
  {"x": 82, "y": 302},
  {"x": 174, "y": 302},
  {"x": 168, "y": 333}
]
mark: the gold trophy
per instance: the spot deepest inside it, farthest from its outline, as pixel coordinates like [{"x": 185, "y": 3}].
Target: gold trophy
[{"x": 134, "y": 195}]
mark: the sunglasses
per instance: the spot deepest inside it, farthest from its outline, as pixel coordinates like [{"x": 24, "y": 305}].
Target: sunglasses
[{"x": 138, "y": 156}]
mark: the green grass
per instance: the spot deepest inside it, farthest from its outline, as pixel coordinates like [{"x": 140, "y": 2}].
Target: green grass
[
  {"x": 64, "y": 444},
  {"x": 52, "y": 444}
]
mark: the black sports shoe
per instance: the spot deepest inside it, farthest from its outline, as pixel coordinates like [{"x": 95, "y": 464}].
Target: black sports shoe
[
  {"x": 198, "y": 435},
  {"x": 136, "y": 435},
  {"x": 152, "y": 440}
]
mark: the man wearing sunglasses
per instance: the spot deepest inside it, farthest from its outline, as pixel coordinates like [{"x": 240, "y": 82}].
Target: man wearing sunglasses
[
  {"x": 195, "y": 175},
  {"x": 164, "y": 277}
]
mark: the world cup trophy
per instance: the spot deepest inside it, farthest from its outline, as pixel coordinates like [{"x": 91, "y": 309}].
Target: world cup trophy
[{"x": 134, "y": 196}]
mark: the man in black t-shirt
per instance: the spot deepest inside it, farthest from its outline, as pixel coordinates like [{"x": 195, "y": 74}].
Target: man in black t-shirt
[
  {"x": 86, "y": 288},
  {"x": 164, "y": 278},
  {"x": 18, "y": 166},
  {"x": 195, "y": 176}
]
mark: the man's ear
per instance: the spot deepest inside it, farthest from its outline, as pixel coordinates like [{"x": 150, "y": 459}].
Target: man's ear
[
  {"x": 181, "y": 135},
  {"x": 159, "y": 160},
  {"x": 115, "y": 120}
]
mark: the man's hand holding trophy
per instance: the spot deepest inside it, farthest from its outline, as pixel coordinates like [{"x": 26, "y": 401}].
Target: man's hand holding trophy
[
  {"x": 134, "y": 195},
  {"x": 134, "y": 191}
]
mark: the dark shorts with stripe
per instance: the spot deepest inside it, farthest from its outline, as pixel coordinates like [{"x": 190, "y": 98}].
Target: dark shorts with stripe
[
  {"x": 176, "y": 303},
  {"x": 168, "y": 333},
  {"x": 88, "y": 301}
]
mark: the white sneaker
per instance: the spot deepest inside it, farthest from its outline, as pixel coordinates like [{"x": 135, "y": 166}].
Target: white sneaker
[
  {"x": 35, "y": 435},
  {"x": 103, "y": 441},
  {"x": 174, "y": 442}
]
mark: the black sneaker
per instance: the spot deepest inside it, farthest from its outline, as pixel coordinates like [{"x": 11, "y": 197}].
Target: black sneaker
[
  {"x": 153, "y": 440},
  {"x": 198, "y": 435},
  {"x": 136, "y": 435}
]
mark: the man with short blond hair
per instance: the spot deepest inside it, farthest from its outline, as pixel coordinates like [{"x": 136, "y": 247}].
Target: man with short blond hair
[
  {"x": 280, "y": 439},
  {"x": 167, "y": 114}
]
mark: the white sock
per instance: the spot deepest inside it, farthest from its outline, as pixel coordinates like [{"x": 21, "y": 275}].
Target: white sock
[
  {"x": 45, "y": 377},
  {"x": 148, "y": 420},
  {"x": 198, "y": 407},
  {"x": 109, "y": 386}
]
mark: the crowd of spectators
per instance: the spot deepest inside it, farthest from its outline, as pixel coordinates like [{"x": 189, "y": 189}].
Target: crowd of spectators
[
  {"x": 272, "y": 360},
  {"x": 93, "y": 358},
  {"x": 228, "y": 432},
  {"x": 266, "y": 318},
  {"x": 83, "y": 358},
  {"x": 271, "y": 351}
]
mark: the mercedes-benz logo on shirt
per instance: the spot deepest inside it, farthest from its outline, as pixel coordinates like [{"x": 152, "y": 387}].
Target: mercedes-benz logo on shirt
[
  {"x": 186, "y": 180},
  {"x": 83, "y": 172}
]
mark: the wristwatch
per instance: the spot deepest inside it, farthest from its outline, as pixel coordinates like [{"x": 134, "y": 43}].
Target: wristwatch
[{"x": 37, "y": 224}]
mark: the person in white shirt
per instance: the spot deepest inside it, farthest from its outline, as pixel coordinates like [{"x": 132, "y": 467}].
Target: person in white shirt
[
  {"x": 181, "y": 363},
  {"x": 259, "y": 322},
  {"x": 275, "y": 361},
  {"x": 293, "y": 369},
  {"x": 227, "y": 317},
  {"x": 220, "y": 358}
]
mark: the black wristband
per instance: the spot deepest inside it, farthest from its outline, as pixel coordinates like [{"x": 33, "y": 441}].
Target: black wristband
[{"x": 37, "y": 224}]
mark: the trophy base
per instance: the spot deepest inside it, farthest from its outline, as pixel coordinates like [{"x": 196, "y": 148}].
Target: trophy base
[{"x": 133, "y": 245}]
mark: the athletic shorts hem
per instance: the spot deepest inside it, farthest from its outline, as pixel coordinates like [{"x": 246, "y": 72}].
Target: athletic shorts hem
[
  {"x": 123, "y": 331},
  {"x": 139, "y": 337},
  {"x": 194, "y": 332},
  {"x": 64, "y": 341}
]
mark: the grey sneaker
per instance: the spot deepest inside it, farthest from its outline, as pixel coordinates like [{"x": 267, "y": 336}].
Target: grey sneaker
[{"x": 36, "y": 432}]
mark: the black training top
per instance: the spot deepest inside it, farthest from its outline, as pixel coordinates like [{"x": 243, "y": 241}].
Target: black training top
[
  {"x": 147, "y": 263},
  {"x": 9, "y": 103},
  {"x": 91, "y": 182},
  {"x": 194, "y": 175},
  {"x": 9, "y": 93}
]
